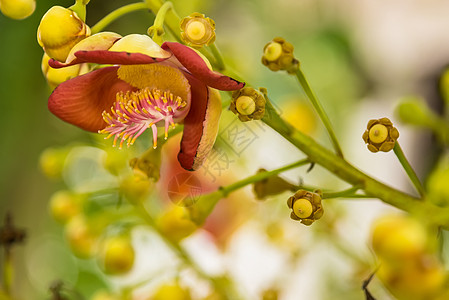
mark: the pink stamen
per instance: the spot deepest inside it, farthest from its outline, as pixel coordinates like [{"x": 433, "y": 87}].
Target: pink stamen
[{"x": 135, "y": 112}]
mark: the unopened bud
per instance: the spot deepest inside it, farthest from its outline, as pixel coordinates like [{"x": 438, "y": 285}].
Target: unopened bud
[
  {"x": 59, "y": 30},
  {"x": 270, "y": 186},
  {"x": 64, "y": 205},
  {"x": 17, "y": 9},
  {"x": 117, "y": 255}
]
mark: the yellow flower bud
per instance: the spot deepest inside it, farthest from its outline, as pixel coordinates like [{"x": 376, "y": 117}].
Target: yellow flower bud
[
  {"x": 17, "y": 9},
  {"x": 306, "y": 206},
  {"x": 197, "y": 30},
  {"x": 52, "y": 161},
  {"x": 64, "y": 205},
  {"x": 176, "y": 224},
  {"x": 278, "y": 55},
  {"x": 135, "y": 188},
  {"x": 59, "y": 30},
  {"x": 380, "y": 135},
  {"x": 273, "y": 185},
  {"x": 56, "y": 76},
  {"x": 172, "y": 292},
  {"x": 117, "y": 255},
  {"x": 248, "y": 104},
  {"x": 82, "y": 238},
  {"x": 396, "y": 238}
]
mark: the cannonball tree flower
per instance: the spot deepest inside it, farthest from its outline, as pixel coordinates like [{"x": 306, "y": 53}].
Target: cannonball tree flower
[{"x": 147, "y": 86}]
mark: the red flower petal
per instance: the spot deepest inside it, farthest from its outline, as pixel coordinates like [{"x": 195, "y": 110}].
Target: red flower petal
[
  {"x": 80, "y": 101},
  {"x": 107, "y": 57},
  {"x": 196, "y": 65},
  {"x": 200, "y": 125}
]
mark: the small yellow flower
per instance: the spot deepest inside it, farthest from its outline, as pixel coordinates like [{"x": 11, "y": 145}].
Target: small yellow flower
[
  {"x": 17, "y": 9},
  {"x": 117, "y": 255},
  {"x": 278, "y": 55},
  {"x": 59, "y": 30},
  {"x": 248, "y": 104},
  {"x": 197, "y": 30},
  {"x": 380, "y": 135},
  {"x": 306, "y": 206}
]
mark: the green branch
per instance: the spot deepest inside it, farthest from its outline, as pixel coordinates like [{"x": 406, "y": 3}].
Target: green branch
[
  {"x": 408, "y": 169},
  {"x": 344, "y": 170},
  {"x": 114, "y": 15}
]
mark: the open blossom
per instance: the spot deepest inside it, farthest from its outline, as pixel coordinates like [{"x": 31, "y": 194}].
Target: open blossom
[{"x": 147, "y": 86}]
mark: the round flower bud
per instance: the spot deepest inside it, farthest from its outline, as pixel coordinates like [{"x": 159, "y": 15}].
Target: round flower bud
[
  {"x": 117, "y": 255},
  {"x": 135, "y": 188},
  {"x": 248, "y": 104},
  {"x": 380, "y": 135},
  {"x": 415, "y": 112},
  {"x": 52, "y": 161},
  {"x": 17, "y": 9},
  {"x": 197, "y": 30},
  {"x": 398, "y": 237},
  {"x": 306, "y": 206},
  {"x": 176, "y": 224},
  {"x": 81, "y": 237},
  {"x": 64, "y": 205},
  {"x": 278, "y": 55},
  {"x": 173, "y": 292},
  {"x": 420, "y": 279},
  {"x": 59, "y": 30}
]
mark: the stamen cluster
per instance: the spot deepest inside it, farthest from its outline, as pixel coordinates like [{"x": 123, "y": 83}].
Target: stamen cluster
[{"x": 134, "y": 112}]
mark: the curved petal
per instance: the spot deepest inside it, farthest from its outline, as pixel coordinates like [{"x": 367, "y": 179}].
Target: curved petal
[
  {"x": 80, "y": 101},
  {"x": 196, "y": 65},
  {"x": 200, "y": 125},
  {"x": 107, "y": 57}
]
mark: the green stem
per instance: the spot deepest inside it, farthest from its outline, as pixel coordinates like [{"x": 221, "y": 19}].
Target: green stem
[
  {"x": 344, "y": 170},
  {"x": 408, "y": 169},
  {"x": 111, "y": 17},
  {"x": 171, "y": 19},
  {"x": 319, "y": 109},
  {"x": 218, "y": 58},
  {"x": 345, "y": 193},
  {"x": 223, "y": 287},
  {"x": 261, "y": 176},
  {"x": 157, "y": 30},
  {"x": 206, "y": 203}
]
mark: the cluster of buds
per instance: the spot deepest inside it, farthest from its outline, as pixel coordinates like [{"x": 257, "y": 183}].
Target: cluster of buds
[
  {"x": 248, "y": 103},
  {"x": 197, "y": 30},
  {"x": 380, "y": 135},
  {"x": 278, "y": 55},
  {"x": 306, "y": 206},
  {"x": 17, "y": 9},
  {"x": 409, "y": 267},
  {"x": 117, "y": 255}
]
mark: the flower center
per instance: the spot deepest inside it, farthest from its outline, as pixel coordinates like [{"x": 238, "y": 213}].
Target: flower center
[
  {"x": 245, "y": 105},
  {"x": 134, "y": 112},
  {"x": 302, "y": 208},
  {"x": 196, "y": 30},
  {"x": 378, "y": 133}
]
